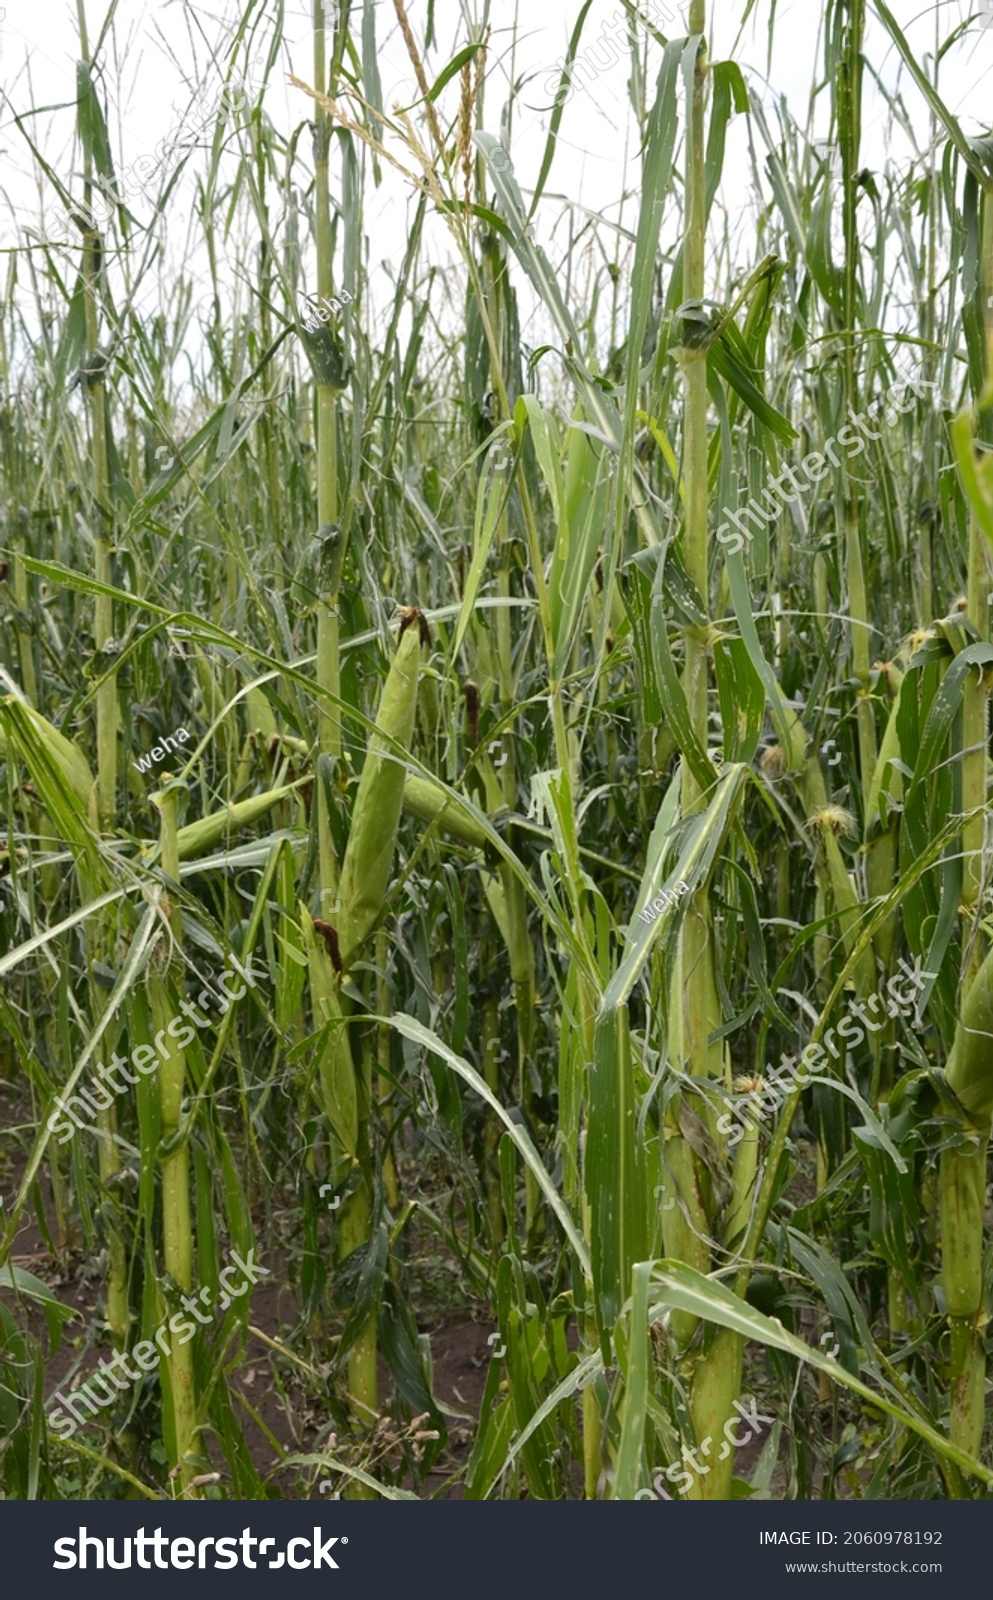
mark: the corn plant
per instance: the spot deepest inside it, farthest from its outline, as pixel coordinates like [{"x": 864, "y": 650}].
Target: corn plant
[{"x": 556, "y": 733}]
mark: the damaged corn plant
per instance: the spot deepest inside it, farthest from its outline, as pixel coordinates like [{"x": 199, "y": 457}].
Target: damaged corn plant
[{"x": 600, "y": 852}]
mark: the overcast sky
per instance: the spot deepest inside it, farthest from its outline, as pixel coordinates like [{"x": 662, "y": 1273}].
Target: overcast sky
[{"x": 154, "y": 47}]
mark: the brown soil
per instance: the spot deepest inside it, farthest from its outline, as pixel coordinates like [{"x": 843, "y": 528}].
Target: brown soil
[{"x": 286, "y": 1408}]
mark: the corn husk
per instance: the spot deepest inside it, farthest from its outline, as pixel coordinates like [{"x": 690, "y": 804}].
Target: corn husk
[{"x": 365, "y": 871}]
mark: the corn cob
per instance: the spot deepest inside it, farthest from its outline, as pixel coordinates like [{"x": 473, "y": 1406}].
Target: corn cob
[
  {"x": 427, "y": 801},
  {"x": 199, "y": 836},
  {"x": 365, "y": 871},
  {"x": 67, "y": 756}
]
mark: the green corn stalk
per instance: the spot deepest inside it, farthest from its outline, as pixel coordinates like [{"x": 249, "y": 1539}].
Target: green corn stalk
[
  {"x": 881, "y": 851},
  {"x": 924, "y": 555},
  {"x": 174, "y": 1164},
  {"x": 214, "y": 697},
  {"x": 850, "y": 14},
  {"x": 383, "y": 1087},
  {"x": 328, "y": 662},
  {"x": 962, "y": 1172},
  {"x": 22, "y": 624},
  {"x": 498, "y": 314},
  {"x": 346, "y": 1105},
  {"x": 962, "y": 1177},
  {"x": 696, "y": 1008},
  {"x": 89, "y": 126},
  {"x": 365, "y": 875},
  {"x": 833, "y": 877},
  {"x": 491, "y": 1072},
  {"x": 975, "y": 696},
  {"x": 107, "y": 715}
]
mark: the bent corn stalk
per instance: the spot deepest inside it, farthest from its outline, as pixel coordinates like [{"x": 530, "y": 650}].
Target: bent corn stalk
[
  {"x": 365, "y": 875},
  {"x": 962, "y": 1200},
  {"x": 177, "y": 1232}
]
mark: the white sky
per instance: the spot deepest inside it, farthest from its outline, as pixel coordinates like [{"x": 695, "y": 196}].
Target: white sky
[{"x": 154, "y": 46}]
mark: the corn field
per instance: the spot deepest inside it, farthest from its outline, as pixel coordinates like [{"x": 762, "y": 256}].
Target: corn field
[{"x": 495, "y": 922}]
